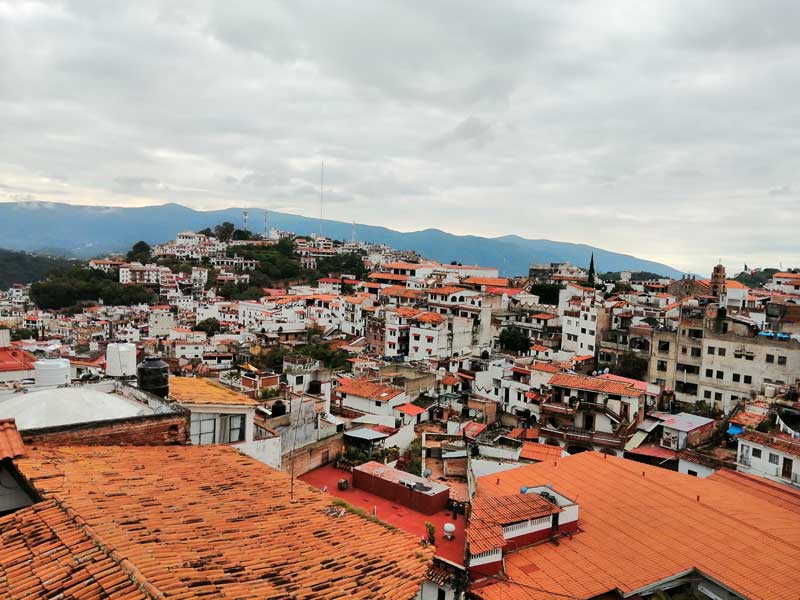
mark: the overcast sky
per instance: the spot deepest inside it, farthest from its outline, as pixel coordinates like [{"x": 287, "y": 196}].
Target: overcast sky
[{"x": 667, "y": 130}]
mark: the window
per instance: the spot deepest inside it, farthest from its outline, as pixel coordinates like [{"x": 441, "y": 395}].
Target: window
[
  {"x": 721, "y": 351},
  {"x": 661, "y": 365},
  {"x": 203, "y": 428},
  {"x": 696, "y": 352},
  {"x": 707, "y": 394},
  {"x": 441, "y": 594},
  {"x": 773, "y": 458},
  {"x": 748, "y": 379},
  {"x": 720, "y": 374},
  {"x": 663, "y": 346},
  {"x": 718, "y": 396},
  {"x": 711, "y": 349},
  {"x": 235, "y": 428},
  {"x": 709, "y": 372},
  {"x": 781, "y": 360},
  {"x": 583, "y": 329},
  {"x": 736, "y": 377},
  {"x": 756, "y": 453},
  {"x": 770, "y": 358},
  {"x": 683, "y": 350},
  {"x": 378, "y": 403},
  {"x": 692, "y": 473},
  {"x": 749, "y": 356}
]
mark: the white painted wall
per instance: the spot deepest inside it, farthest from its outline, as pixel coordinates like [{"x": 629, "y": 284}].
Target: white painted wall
[{"x": 266, "y": 451}]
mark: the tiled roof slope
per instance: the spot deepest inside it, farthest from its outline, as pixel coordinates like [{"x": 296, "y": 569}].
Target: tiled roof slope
[
  {"x": 44, "y": 553},
  {"x": 196, "y": 390},
  {"x": 593, "y": 384},
  {"x": 641, "y": 524},
  {"x": 207, "y": 521},
  {"x": 10, "y": 440}
]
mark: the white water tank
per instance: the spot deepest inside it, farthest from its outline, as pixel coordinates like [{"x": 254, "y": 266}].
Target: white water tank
[
  {"x": 121, "y": 360},
  {"x": 51, "y": 371},
  {"x": 5, "y": 338},
  {"x": 769, "y": 391}
]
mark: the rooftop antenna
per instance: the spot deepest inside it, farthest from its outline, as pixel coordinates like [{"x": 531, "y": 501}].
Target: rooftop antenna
[
  {"x": 244, "y": 218},
  {"x": 321, "y": 187}
]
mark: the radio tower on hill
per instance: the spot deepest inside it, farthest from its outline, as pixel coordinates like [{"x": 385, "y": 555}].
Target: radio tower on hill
[{"x": 244, "y": 218}]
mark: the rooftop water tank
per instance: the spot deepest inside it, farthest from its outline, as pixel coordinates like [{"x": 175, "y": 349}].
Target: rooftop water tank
[
  {"x": 153, "y": 376},
  {"x": 121, "y": 360},
  {"x": 51, "y": 371}
]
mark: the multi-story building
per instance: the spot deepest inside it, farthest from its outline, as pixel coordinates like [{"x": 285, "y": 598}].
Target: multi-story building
[
  {"x": 433, "y": 335},
  {"x": 721, "y": 359},
  {"x": 774, "y": 456},
  {"x": 590, "y": 413}
]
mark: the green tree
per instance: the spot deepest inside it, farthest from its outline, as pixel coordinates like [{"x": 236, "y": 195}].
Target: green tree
[
  {"x": 207, "y": 232},
  {"x": 242, "y": 234},
  {"x": 547, "y": 292},
  {"x": 631, "y": 365},
  {"x": 514, "y": 339},
  {"x": 224, "y": 231},
  {"x": 590, "y": 279},
  {"x": 211, "y": 326},
  {"x": 140, "y": 252}
]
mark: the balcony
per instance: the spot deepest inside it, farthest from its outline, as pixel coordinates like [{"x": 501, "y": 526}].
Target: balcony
[
  {"x": 558, "y": 408},
  {"x": 574, "y": 434},
  {"x": 595, "y": 406}
]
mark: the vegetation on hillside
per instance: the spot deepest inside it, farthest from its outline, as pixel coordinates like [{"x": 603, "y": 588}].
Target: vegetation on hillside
[
  {"x": 21, "y": 267},
  {"x": 757, "y": 279},
  {"x": 67, "y": 287},
  {"x": 635, "y": 276}
]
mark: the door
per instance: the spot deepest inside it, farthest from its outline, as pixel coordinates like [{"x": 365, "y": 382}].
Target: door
[
  {"x": 326, "y": 457},
  {"x": 786, "y": 471},
  {"x": 588, "y": 421}
]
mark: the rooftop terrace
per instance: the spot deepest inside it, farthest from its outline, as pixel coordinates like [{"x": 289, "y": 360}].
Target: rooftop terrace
[{"x": 395, "y": 514}]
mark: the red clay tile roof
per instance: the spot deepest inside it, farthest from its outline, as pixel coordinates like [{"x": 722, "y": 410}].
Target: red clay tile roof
[
  {"x": 641, "y": 524},
  {"x": 444, "y": 290},
  {"x": 449, "y": 379},
  {"x": 46, "y": 552},
  {"x": 781, "y": 442},
  {"x": 539, "y": 452},
  {"x": 544, "y": 316},
  {"x": 429, "y": 317},
  {"x": 500, "y": 282},
  {"x": 368, "y": 389},
  {"x": 410, "y": 409},
  {"x": 387, "y": 276},
  {"x": 14, "y": 359},
  {"x": 592, "y": 384},
  {"x": 490, "y": 513},
  {"x": 207, "y": 521},
  {"x": 11, "y": 444},
  {"x": 399, "y": 291},
  {"x": 747, "y": 419}
]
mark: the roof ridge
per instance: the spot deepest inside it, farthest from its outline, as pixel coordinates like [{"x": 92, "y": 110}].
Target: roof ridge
[{"x": 124, "y": 564}]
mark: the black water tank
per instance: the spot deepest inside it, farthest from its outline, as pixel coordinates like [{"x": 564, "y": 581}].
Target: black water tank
[
  {"x": 315, "y": 386},
  {"x": 278, "y": 408},
  {"x": 152, "y": 375}
]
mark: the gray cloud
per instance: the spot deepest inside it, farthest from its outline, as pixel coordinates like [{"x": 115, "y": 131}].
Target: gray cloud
[{"x": 662, "y": 129}]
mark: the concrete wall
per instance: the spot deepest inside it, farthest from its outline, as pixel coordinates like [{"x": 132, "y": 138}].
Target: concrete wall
[{"x": 266, "y": 451}]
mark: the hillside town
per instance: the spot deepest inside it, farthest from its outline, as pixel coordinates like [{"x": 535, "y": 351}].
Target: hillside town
[{"x": 239, "y": 415}]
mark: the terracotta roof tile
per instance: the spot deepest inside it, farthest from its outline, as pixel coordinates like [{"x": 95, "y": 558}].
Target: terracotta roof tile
[
  {"x": 207, "y": 521},
  {"x": 641, "y": 524},
  {"x": 593, "y": 384},
  {"x": 364, "y": 388},
  {"x": 46, "y": 553},
  {"x": 11, "y": 444},
  {"x": 196, "y": 390}
]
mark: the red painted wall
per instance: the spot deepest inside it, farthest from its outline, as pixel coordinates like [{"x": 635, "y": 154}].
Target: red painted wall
[{"x": 399, "y": 493}]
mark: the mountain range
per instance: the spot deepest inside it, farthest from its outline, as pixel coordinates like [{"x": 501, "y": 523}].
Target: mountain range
[{"x": 87, "y": 231}]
